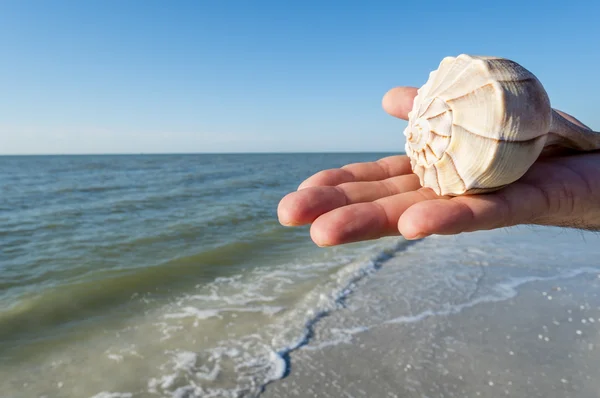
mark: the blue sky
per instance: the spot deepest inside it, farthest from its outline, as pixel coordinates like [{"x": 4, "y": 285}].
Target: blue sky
[{"x": 245, "y": 76}]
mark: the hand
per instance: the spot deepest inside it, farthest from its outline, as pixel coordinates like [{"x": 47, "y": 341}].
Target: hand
[{"x": 370, "y": 200}]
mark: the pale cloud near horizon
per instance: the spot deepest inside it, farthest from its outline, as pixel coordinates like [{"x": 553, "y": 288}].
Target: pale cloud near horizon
[
  {"x": 76, "y": 140},
  {"x": 31, "y": 140}
]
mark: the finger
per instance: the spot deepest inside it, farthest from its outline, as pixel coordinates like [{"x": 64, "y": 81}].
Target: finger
[
  {"x": 304, "y": 206},
  {"x": 515, "y": 204},
  {"x": 399, "y": 101},
  {"x": 365, "y": 221},
  {"x": 381, "y": 169}
]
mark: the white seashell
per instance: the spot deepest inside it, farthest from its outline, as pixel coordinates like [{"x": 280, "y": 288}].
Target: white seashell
[{"x": 480, "y": 122}]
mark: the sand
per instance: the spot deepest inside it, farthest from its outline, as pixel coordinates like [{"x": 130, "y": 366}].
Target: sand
[{"x": 525, "y": 336}]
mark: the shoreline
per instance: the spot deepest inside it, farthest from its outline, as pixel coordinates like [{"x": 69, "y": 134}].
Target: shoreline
[
  {"x": 521, "y": 346},
  {"x": 539, "y": 336}
]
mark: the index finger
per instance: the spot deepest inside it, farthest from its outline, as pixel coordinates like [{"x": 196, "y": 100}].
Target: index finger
[{"x": 388, "y": 167}]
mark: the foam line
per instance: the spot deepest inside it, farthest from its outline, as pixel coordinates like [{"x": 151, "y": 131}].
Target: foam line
[{"x": 506, "y": 290}]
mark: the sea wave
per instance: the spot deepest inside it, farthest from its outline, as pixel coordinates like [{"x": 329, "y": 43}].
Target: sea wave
[
  {"x": 251, "y": 361},
  {"x": 104, "y": 291}
]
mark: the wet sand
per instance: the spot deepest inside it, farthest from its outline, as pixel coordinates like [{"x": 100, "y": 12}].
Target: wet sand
[{"x": 540, "y": 337}]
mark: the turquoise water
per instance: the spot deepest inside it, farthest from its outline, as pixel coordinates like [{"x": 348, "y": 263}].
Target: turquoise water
[{"x": 164, "y": 275}]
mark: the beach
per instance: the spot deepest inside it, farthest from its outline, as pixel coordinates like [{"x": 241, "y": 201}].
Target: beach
[
  {"x": 525, "y": 347},
  {"x": 152, "y": 246},
  {"x": 532, "y": 334},
  {"x": 170, "y": 276}
]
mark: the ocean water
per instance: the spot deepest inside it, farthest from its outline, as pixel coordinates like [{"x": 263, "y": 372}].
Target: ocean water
[
  {"x": 161, "y": 275},
  {"x": 170, "y": 276}
]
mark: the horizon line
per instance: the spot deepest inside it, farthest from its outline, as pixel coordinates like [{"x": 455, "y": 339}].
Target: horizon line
[{"x": 196, "y": 153}]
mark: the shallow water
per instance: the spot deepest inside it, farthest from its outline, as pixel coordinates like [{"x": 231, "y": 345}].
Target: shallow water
[{"x": 160, "y": 275}]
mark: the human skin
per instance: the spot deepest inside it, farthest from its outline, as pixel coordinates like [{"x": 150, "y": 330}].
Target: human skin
[{"x": 364, "y": 201}]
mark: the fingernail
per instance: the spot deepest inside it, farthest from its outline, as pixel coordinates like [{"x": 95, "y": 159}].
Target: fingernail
[{"x": 416, "y": 237}]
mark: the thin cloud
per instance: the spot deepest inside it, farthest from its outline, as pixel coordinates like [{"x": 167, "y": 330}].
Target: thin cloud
[{"x": 16, "y": 140}]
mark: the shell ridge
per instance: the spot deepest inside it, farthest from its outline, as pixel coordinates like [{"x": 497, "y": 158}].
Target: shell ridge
[
  {"x": 439, "y": 114},
  {"x": 438, "y": 133},
  {"x": 516, "y": 141},
  {"x": 437, "y": 179},
  {"x": 435, "y": 155},
  {"x": 453, "y": 163},
  {"x": 510, "y": 80},
  {"x": 421, "y": 113},
  {"x": 441, "y": 124},
  {"x": 429, "y": 153},
  {"x": 470, "y": 92},
  {"x": 441, "y": 77},
  {"x": 450, "y": 84}
]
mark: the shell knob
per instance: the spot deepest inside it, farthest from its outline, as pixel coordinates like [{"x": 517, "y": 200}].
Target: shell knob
[{"x": 480, "y": 122}]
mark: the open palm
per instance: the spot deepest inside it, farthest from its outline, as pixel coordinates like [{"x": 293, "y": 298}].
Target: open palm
[{"x": 370, "y": 200}]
